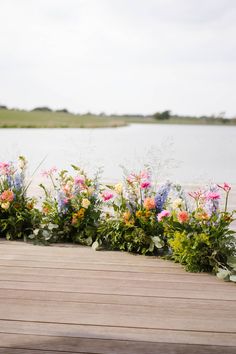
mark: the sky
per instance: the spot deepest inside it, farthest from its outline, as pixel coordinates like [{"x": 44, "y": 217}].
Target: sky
[{"x": 119, "y": 56}]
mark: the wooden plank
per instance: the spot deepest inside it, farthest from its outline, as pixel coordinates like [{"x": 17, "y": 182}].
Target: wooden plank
[
  {"x": 113, "y": 299},
  {"x": 57, "y": 276},
  {"x": 176, "y": 290},
  {"x": 35, "y": 351},
  {"x": 162, "y": 317},
  {"x": 118, "y": 333},
  {"x": 101, "y": 346},
  {"x": 98, "y": 267}
]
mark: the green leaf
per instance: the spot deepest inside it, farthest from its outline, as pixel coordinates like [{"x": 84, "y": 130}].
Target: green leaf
[
  {"x": 232, "y": 278},
  {"x": 223, "y": 274},
  {"x": 52, "y": 226},
  {"x": 31, "y": 236},
  {"x": 95, "y": 246},
  {"x": 231, "y": 261},
  {"x": 157, "y": 241},
  {"x": 151, "y": 247}
]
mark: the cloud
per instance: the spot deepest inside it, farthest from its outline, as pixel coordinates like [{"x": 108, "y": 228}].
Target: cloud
[{"x": 119, "y": 55}]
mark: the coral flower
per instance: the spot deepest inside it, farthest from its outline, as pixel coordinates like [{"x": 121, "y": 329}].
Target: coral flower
[
  {"x": 145, "y": 184},
  {"x": 149, "y": 203},
  {"x": 107, "y": 195},
  {"x": 183, "y": 216},
  {"x": 163, "y": 214},
  {"x": 7, "y": 196}
]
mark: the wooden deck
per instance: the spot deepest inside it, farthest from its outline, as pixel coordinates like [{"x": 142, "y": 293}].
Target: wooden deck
[{"x": 74, "y": 300}]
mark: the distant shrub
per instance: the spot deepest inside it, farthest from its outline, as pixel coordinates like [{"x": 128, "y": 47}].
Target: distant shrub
[
  {"x": 3, "y": 107},
  {"x": 64, "y": 110},
  {"x": 162, "y": 115},
  {"x": 42, "y": 109}
]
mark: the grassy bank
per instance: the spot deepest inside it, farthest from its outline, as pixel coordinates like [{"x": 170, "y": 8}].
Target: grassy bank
[{"x": 39, "y": 119}]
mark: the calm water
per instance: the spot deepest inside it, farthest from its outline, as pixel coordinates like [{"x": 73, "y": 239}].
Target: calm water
[{"x": 189, "y": 154}]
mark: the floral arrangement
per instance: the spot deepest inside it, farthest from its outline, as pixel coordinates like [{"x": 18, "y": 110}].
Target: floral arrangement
[
  {"x": 135, "y": 216},
  {"x": 198, "y": 233},
  {"x": 71, "y": 209},
  {"x": 130, "y": 222},
  {"x": 17, "y": 212}
]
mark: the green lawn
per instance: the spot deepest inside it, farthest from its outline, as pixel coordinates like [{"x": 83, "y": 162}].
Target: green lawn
[
  {"x": 40, "y": 119},
  {"x": 37, "y": 119}
]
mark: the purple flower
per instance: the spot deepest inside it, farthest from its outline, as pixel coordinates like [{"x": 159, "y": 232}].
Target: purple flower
[
  {"x": 161, "y": 196},
  {"x": 62, "y": 201}
]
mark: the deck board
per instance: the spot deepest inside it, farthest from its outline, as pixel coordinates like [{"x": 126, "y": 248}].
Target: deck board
[{"x": 67, "y": 299}]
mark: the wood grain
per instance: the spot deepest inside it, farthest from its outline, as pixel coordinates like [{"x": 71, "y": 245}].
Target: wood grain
[{"x": 70, "y": 299}]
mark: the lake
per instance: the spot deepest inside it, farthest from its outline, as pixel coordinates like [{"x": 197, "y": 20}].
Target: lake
[{"x": 184, "y": 153}]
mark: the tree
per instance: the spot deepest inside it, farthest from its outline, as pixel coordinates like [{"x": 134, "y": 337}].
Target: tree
[{"x": 162, "y": 115}]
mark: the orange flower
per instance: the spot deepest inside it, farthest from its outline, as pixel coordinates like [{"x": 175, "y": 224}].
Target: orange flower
[
  {"x": 149, "y": 203},
  {"x": 183, "y": 216},
  {"x": 7, "y": 196}
]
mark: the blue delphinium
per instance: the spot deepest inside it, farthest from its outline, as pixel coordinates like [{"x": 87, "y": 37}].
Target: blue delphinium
[
  {"x": 161, "y": 196},
  {"x": 18, "y": 181}
]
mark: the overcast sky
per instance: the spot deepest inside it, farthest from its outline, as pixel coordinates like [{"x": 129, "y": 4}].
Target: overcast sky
[{"x": 116, "y": 56}]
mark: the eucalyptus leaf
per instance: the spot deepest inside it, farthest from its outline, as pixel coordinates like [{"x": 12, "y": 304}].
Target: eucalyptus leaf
[
  {"x": 157, "y": 242},
  {"x": 223, "y": 274},
  {"x": 95, "y": 246},
  {"x": 52, "y": 226},
  {"x": 231, "y": 261},
  {"x": 232, "y": 278}
]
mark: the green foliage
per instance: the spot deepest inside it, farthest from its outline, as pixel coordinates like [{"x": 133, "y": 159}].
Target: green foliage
[
  {"x": 162, "y": 115},
  {"x": 202, "y": 246},
  {"x": 116, "y": 235}
]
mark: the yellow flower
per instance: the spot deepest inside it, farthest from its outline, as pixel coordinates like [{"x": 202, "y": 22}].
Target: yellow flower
[
  {"x": 80, "y": 213},
  {"x": 119, "y": 188},
  {"x": 85, "y": 203},
  {"x": 148, "y": 214},
  {"x": 5, "y": 206},
  {"x": 138, "y": 213},
  {"x": 90, "y": 191}
]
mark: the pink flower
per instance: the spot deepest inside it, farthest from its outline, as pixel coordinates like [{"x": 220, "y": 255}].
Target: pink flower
[
  {"x": 5, "y": 168},
  {"x": 66, "y": 200},
  {"x": 163, "y": 214},
  {"x": 226, "y": 187},
  {"x": 7, "y": 196},
  {"x": 107, "y": 195},
  {"x": 149, "y": 203},
  {"x": 131, "y": 178},
  {"x": 183, "y": 216},
  {"x": 145, "y": 184},
  {"x": 196, "y": 195},
  {"x": 49, "y": 173},
  {"x": 212, "y": 196},
  {"x": 79, "y": 180},
  {"x": 144, "y": 175}
]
